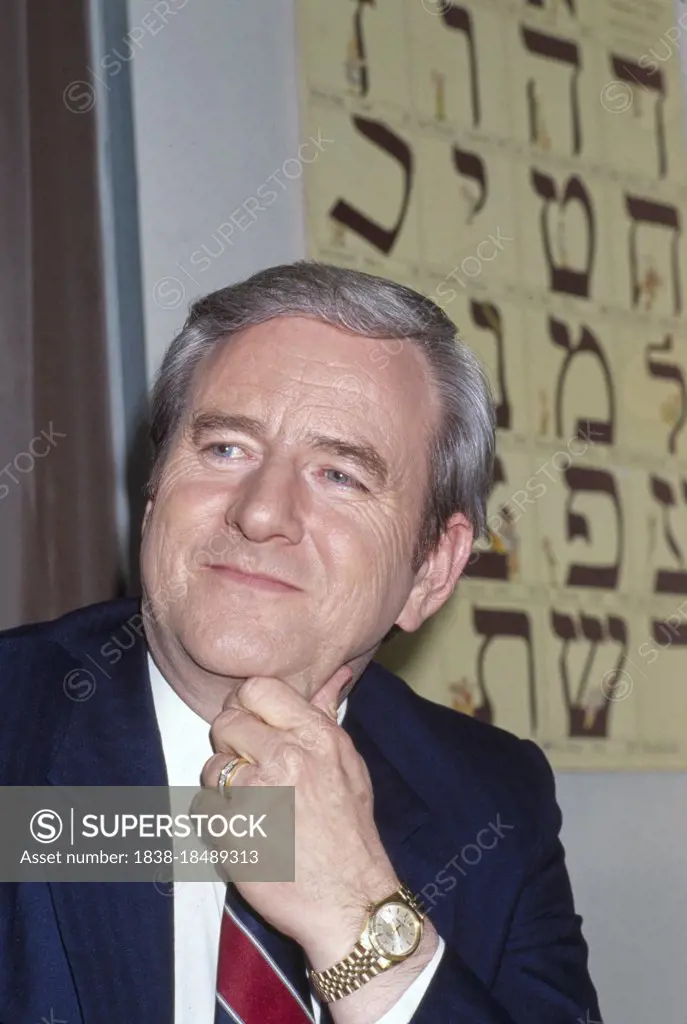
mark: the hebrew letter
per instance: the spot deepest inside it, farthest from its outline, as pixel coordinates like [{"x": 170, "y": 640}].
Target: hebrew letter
[
  {"x": 360, "y": 52},
  {"x": 471, "y": 165},
  {"x": 647, "y": 211},
  {"x": 564, "y": 278},
  {"x": 382, "y": 238},
  {"x": 588, "y": 709},
  {"x": 566, "y": 51},
  {"x": 541, "y": 3},
  {"x": 598, "y": 481},
  {"x": 668, "y": 581},
  {"x": 669, "y": 371},
  {"x": 628, "y": 71},
  {"x": 485, "y": 314},
  {"x": 492, "y": 623},
  {"x": 459, "y": 18},
  {"x": 490, "y": 564},
  {"x": 599, "y": 430},
  {"x": 669, "y": 634}
]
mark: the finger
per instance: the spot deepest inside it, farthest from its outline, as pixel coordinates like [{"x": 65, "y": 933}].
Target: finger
[
  {"x": 236, "y": 729},
  {"x": 328, "y": 697},
  {"x": 214, "y": 765},
  {"x": 273, "y": 701}
]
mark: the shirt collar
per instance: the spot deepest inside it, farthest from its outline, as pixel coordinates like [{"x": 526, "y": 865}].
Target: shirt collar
[{"x": 185, "y": 735}]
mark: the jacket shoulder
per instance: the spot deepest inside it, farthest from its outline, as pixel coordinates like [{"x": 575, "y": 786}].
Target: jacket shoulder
[
  {"x": 75, "y": 629},
  {"x": 41, "y": 675}
]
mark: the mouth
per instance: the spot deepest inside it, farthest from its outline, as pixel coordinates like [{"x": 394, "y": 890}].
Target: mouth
[{"x": 256, "y": 580}]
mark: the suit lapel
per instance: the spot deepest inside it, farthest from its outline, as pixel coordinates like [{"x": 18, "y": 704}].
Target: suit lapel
[
  {"x": 399, "y": 812},
  {"x": 382, "y": 731},
  {"x": 118, "y": 937}
]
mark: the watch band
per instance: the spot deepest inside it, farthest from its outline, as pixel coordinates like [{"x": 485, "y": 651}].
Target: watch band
[
  {"x": 349, "y": 974},
  {"x": 363, "y": 962}
]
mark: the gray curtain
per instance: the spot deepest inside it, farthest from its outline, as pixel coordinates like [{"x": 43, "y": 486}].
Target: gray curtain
[{"x": 58, "y": 543}]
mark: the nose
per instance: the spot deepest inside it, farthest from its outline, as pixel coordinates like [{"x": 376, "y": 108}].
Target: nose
[{"x": 268, "y": 504}]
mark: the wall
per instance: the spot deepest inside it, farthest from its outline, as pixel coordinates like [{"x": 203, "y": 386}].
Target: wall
[
  {"x": 212, "y": 73},
  {"x": 201, "y": 85}
]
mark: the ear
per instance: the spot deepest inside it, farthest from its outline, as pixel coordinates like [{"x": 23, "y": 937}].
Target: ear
[{"x": 437, "y": 577}]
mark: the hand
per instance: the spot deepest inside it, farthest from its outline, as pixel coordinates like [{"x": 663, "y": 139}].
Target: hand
[{"x": 341, "y": 865}]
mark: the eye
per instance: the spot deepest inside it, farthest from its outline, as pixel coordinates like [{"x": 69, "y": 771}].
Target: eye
[
  {"x": 348, "y": 482},
  {"x": 219, "y": 450}
]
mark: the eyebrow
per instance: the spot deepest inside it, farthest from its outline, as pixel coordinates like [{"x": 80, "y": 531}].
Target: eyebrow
[{"x": 359, "y": 452}]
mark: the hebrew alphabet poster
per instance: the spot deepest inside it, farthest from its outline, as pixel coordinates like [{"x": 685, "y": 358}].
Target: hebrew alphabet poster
[{"x": 523, "y": 163}]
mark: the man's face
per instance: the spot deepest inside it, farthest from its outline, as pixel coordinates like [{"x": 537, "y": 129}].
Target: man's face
[{"x": 268, "y": 494}]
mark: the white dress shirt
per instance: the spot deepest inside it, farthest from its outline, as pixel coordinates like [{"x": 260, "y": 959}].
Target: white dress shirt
[{"x": 198, "y": 905}]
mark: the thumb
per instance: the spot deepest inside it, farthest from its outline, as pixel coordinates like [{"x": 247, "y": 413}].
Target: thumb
[{"x": 328, "y": 697}]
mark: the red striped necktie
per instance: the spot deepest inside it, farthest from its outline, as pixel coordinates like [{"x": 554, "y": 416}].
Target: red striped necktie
[{"x": 261, "y": 975}]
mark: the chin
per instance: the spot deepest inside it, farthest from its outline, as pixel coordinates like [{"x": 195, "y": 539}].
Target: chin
[{"x": 235, "y": 656}]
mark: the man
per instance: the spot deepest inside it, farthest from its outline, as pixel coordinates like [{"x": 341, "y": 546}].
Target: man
[{"x": 323, "y": 449}]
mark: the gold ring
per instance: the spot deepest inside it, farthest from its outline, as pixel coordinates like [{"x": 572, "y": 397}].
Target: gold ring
[{"x": 229, "y": 771}]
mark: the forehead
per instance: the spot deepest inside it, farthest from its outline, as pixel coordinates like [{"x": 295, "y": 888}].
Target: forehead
[{"x": 314, "y": 374}]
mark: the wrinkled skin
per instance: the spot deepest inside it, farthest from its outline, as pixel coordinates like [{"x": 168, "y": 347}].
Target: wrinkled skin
[{"x": 275, "y": 505}]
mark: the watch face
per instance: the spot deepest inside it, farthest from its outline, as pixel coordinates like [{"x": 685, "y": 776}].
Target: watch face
[{"x": 395, "y": 930}]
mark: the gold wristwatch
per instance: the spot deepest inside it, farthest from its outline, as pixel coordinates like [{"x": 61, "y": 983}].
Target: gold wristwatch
[{"x": 392, "y": 932}]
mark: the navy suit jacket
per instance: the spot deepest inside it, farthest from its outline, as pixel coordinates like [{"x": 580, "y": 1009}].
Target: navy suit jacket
[{"x": 466, "y": 812}]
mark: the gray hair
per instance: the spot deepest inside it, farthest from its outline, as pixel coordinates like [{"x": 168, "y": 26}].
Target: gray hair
[{"x": 461, "y": 450}]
